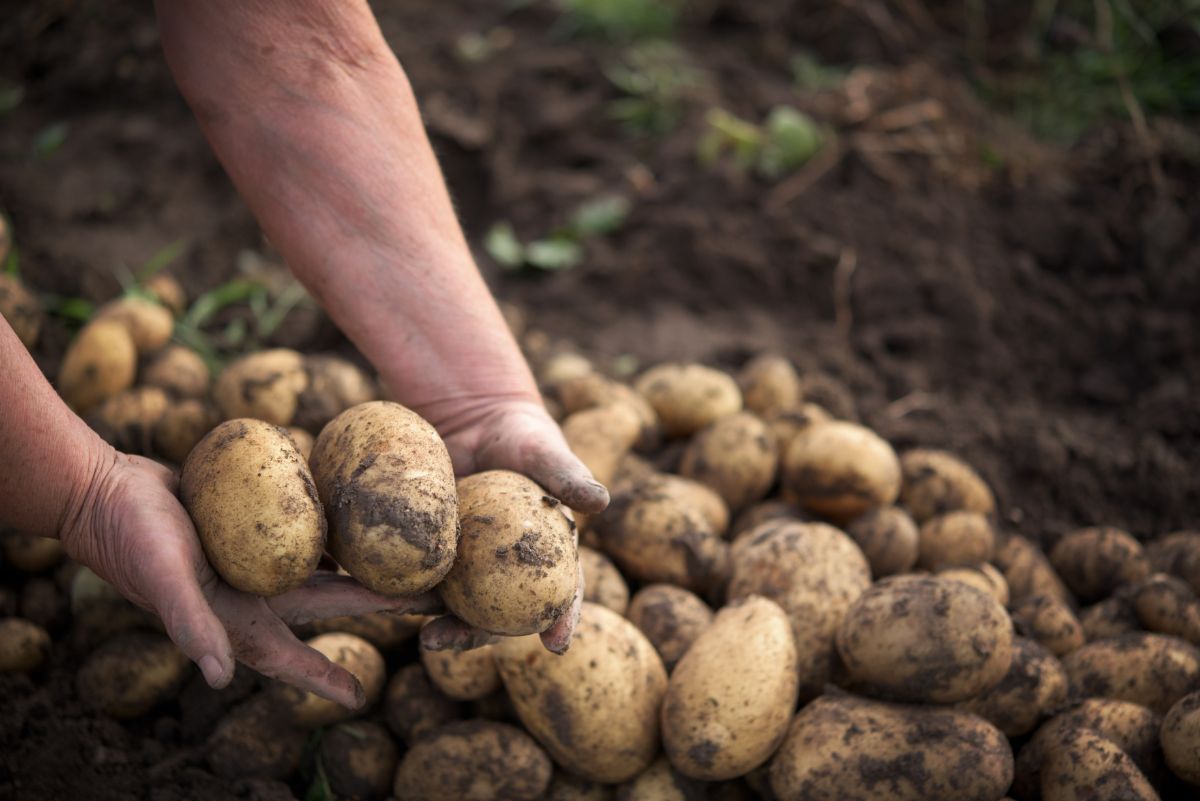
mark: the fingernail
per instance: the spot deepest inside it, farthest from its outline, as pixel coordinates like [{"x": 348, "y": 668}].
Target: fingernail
[{"x": 214, "y": 674}]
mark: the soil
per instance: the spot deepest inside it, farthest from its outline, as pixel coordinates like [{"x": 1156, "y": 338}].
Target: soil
[{"x": 1031, "y": 308}]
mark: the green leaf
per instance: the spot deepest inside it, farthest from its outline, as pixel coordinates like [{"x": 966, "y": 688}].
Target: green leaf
[
  {"x": 49, "y": 140},
  {"x": 502, "y": 244},
  {"x": 791, "y": 139},
  {"x": 553, "y": 254},
  {"x": 161, "y": 259},
  {"x": 319, "y": 790},
  {"x": 599, "y": 216},
  {"x": 78, "y": 309},
  {"x": 269, "y": 321},
  {"x": 214, "y": 300}
]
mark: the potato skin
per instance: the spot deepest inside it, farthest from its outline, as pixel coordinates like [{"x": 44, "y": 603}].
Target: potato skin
[
  {"x": 130, "y": 674},
  {"x": 841, "y": 470},
  {"x": 127, "y": 420},
  {"x": 24, "y": 645},
  {"x": 168, "y": 291},
  {"x": 593, "y": 390},
  {"x": 31, "y": 553},
  {"x": 255, "y": 507},
  {"x": 610, "y": 663},
  {"x": 360, "y": 759},
  {"x": 926, "y": 639},
  {"x": 100, "y": 362},
  {"x": 253, "y": 740},
  {"x": 843, "y": 748},
  {"x": 600, "y": 436},
  {"x": 19, "y": 306},
  {"x": 385, "y": 479},
  {"x": 661, "y": 782},
  {"x": 1153, "y": 670},
  {"x": 688, "y": 397},
  {"x": 565, "y": 787},
  {"x": 888, "y": 538},
  {"x": 149, "y": 323},
  {"x": 936, "y": 482},
  {"x": 384, "y": 630},
  {"x": 1167, "y": 605},
  {"x": 1181, "y": 738},
  {"x": 309, "y": 711},
  {"x": 414, "y": 706},
  {"x": 475, "y": 760},
  {"x": 334, "y": 385},
  {"x": 602, "y": 582},
  {"x": 1112, "y": 617},
  {"x": 981, "y": 577},
  {"x": 736, "y": 456},
  {"x": 1093, "y": 562},
  {"x": 264, "y": 385},
  {"x": 1051, "y": 622},
  {"x": 179, "y": 371},
  {"x": 181, "y": 426},
  {"x": 730, "y": 698},
  {"x": 1028, "y": 571},
  {"x": 769, "y": 383},
  {"x": 955, "y": 538},
  {"x": 1034, "y": 687},
  {"x": 517, "y": 569},
  {"x": 670, "y": 617},
  {"x": 462, "y": 675},
  {"x": 1086, "y": 766}
]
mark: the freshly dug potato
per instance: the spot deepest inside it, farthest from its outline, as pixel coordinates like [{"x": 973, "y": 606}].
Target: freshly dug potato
[
  {"x": 1153, "y": 670},
  {"x": 731, "y": 696},
  {"x": 563, "y": 367},
  {"x": 926, "y": 639},
  {"x": 19, "y": 306},
  {"x": 414, "y": 707},
  {"x": 181, "y": 426},
  {"x": 128, "y": 420},
  {"x": 303, "y": 441},
  {"x": 631, "y": 469},
  {"x": 981, "y": 577},
  {"x": 179, "y": 371},
  {"x": 149, "y": 323},
  {"x": 1167, "y": 605},
  {"x": 334, "y": 385},
  {"x": 736, "y": 456},
  {"x": 955, "y": 538},
  {"x": 688, "y": 397},
  {"x": 1111, "y": 617},
  {"x": 841, "y": 470},
  {"x": 785, "y": 424},
  {"x": 888, "y": 538},
  {"x": 602, "y": 582},
  {"x": 1034, "y": 688},
  {"x": 840, "y": 747},
  {"x": 815, "y": 573},
  {"x": 1093, "y": 562},
  {"x": 517, "y": 568},
  {"x": 591, "y": 390},
  {"x": 130, "y": 674},
  {"x": 254, "y": 740},
  {"x": 363, "y": 660},
  {"x": 1051, "y": 622},
  {"x": 565, "y": 787},
  {"x": 1181, "y": 738},
  {"x": 670, "y": 617},
  {"x": 384, "y": 630},
  {"x": 769, "y": 383},
  {"x": 660, "y": 782},
  {"x": 1086, "y": 766},
  {"x": 169, "y": 293},
  {"x": 386, "y": 482},
  {"x": 462, "y": 675},
  {"x": 936, "y": 482},
  {"x": 24, "y": 645},
  {"x": 1178, "y": 554},
  {"x": 753, "y": 516},
  {"x": 1028, "y": 571},
  {"x": 30, "y": 553},
  {"x": 100, "y": 362},
  {"x": 360, "y": 759},
  {"x": 264, "y": 385},
  {"x": 479, "y": 760},
  {"x": 255, "y": 507},
  {"x": 697, "y": 496},
  {"x": 601, "y": 436},
  {"x": 595, "y": 708}
]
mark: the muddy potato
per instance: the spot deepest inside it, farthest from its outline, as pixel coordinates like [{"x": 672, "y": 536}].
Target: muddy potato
[
  {"x": 179, "y": 371},
  {"x": 168, "y": 291},
  {"x": 602, "y": 582},
  {"x": 601, "y": 436},
  {"x": 565, "y": 787},
  {"x": 23, "y": 645},
  {"x": 592, "y": 390},
  {"x": 130, "y": 674},
  {"x": 128, "y": 420},
  {"x": 478, "y": 760},
  {"x": 1153, "y": 670},
  {"x": 660, "y": 782},
  {"x": 841, "y": 470},
  {"x": 148, "y": 322},
  {"x": 462, "y": 675},
  {"x": 303, "y": 441},
  {"x": 731, "y": 696},
  {"x": 785, "y": 424},
  {"x": 386, "y": 482},
  {"x": 255, "y": 507},
  {"x": 1111, "y": 617},
  {"x": 563, "y": 367},
  {"x": 1181, "y": 738},
  {"x": 384, "y": 630},
  {"x": 264, "y": 385},
  {"x": 414, "y": 707},
  {"x": 1094, "y": 562},
  {"x": 30, "y": 553},
  {"x": 736, "y": 456},
  {"x": 100, "y": 362},
  {"x": 769, "y": 383},
  {"x": 1167, "y": 605},
  {"x": 1034, "y": 688},
  {"x": 334, "y": 385},
  {"x": 359, "y": 759},
  {"x": 363, "y": 660},
  {"x": 888, "y": 538},
  {"x": 841, "y": 747},
  {"x": 955, "y": 538},
  {"x": 753, "y": 516},
  {"x": 1028, "y": 571},
  {"x": 815, "y": 573},
  {"x": 935, "y": 482},
  {"x": 595, "y": 708},
  {"x": 926, "y": 639},
  {"x": 688, "y": 397},
  {"x": 1051, "y": 622},
  {"x": 1174, "y": 553},
  {"x": 254, "y": 740},
  {"x": 19, "y": 306},
  {"x": 981, "y": 577},
  {"x": 1086, "y": 766},
  {"x": 181, "y": 426},
  {"x": 670, "y": 617}
]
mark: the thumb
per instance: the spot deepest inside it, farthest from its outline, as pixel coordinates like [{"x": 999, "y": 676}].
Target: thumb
[{"x": 178, "y": 598}]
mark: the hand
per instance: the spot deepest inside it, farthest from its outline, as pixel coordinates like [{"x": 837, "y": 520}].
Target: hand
[{"x": 133, "y": 532}]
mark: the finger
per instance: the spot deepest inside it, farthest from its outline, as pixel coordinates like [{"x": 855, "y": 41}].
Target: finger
[
  {"x": 566, "y": 477},
  {"x": 328, "y": 595},
  {"x": 448, "y": 633},
  {"x": 557, "y": 638}
]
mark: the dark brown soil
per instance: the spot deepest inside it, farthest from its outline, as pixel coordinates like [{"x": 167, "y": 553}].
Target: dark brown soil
[{"x": 1035, "y": 310}]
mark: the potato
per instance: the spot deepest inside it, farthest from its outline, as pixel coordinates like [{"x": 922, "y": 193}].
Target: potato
[
  {"x": 1086, "y": 766},
  {"x": 1167, "y": 605},
  {"x": 303, "y": 441},
  {"x": 936, "y": 482},
  {"x": 359, "y": 759},
  {"x": 1181, "y": 738},
  {"x": 785, "y": 424},
  {"x": 601, "y": 436},
  {"x": 841, "y": 470},
  {"x": 168, "y": 291},
  {"x": 736, "y": 456},
  {"x": 731, "y": 697},
  {"x": 630, "y": 470},
  {"x": 384, "y": 630},
  {"x": 670, "y": 617},
  {"x": 753, "y": 516},
  {"x": 842, "y": 747},
  {"x": 148, "y": 322},
  {"x": 955, "y": 538},
  {"x": 1051, "y": 622},
  {"x": 385, "y": 479},
  {"x": 478, "y": 760},
  {"x": 334, "y": 385},
  {"x": 769, "y": 383},
  {"x": 462, "y": 675},
  {"x": 255, "y": 507},
  {"x": 181, "y": 426},
  {"x": 602, "y": 582},
  {"x": 363, "y": 660},
  {"x": 24, "y": 645},
  {"x": 414, "y": 707},
  {"x": 595, "y": 708},
  {"x": 100, "y": 362},
  {"x": 264, "y": 385},
  {"x": 131, "y": 674},
  {"x": 660, "y": 782},
  {"x": 888, "y": 538},
  {"x": 1028, "y": 572},
  {"x": 179, "y": 371},
  {"x": 700, "y": 497},
  {"x": 1111, "y": 617},
  {"x": 926, "y": 639},
  {"x": 98, "y": 611},
  {"x": 815, "y": 573},
  {"x": 688, "y": 397},
  {"x": 254, "y": 740},
  {"x": 1153, "y": 670},
  {"x": 517, "y": 569},
  {"x": 981, "y": 577},
  {"x": 18, "y": 305},
  {"x": 563, "y": 367},
  {"x": 565, "y": 787},
  {"x": 30, "y": 553},
  {"x": 128, "y": 420},
  {"x": 592, "y": 390},
  {"x": 1034, "y": 687},
  {"x": 1093, "y": 562}
]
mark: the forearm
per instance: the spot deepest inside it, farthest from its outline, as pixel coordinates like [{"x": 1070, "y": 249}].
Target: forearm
[{"x": 315, "y": 122}]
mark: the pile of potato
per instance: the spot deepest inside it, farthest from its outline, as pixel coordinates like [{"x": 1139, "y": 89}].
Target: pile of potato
[{"x": 778, "y": 605}]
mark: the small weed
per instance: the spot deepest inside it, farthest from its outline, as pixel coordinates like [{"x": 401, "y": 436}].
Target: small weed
[
  {"x": 657, "y": 81},
  {"x": 562, "y": 249},
  {"x": 49, "y": 140},
  {"x": 620, "y": 20},
  {"x": 809, "y": 73},
  {"x": 784, "y": 142}
]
